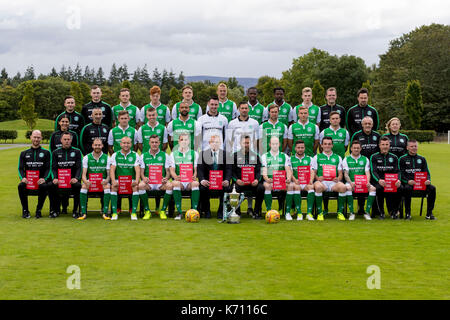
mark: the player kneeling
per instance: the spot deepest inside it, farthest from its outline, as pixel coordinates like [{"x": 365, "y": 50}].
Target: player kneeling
[
  {"x": 184, "y": 172},
  {"x": 302, "y": 180},
  {"x": 155, "y": 175},
  {"x": 356, "y": 167},
  {"x": 327, "y": 168},
  {"x": 95, "y": 178}
]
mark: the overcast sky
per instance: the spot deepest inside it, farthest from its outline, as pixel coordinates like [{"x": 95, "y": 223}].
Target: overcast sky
[{"x": 242, "y": 38}]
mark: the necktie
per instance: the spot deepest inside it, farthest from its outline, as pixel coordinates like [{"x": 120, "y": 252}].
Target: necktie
[{"x": 215, "y": 166}]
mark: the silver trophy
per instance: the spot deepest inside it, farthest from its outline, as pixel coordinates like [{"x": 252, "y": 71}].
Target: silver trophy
[{"x": 232, "y": 200}]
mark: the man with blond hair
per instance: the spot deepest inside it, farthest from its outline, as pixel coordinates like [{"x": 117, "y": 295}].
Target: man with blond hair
[
  {"x": 195, "y": 111},
  {"x": 313, "y": 110}
]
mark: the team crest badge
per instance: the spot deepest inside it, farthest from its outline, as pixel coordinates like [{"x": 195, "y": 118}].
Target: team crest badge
[
  {"x": 252, "y": 158},
  {"x": 41, "y": 155},
  {"x": 391, "y": 160},
  {"x": 158, "y": 131},
  {"x": 130, "y": 159},
  {"x": 129, "y": 134},
  {"x": 338, "y": 111},
  {"x": 309, "y": 130},
  {"x": 313, "y": 111},
  {"x": 189, "y": 125},
  {"x": 340, "y": 134},
  {"x": 402, "y": 140},
  {"x": 102, "y": 161},
  {"x": 305, "y": 162},
  {"x": 103, "y": 109},
  {"x": 160, "y": 111},
  {"x": 72, "y": 154},
  {"x": 228, "y": 108},
  {"x": 258, "y": 111},
  {"x": 333, "y": 160},
  {"x": 369, "y": 113},
  {"x": 76, "y": 118},
  {"x": 374, "y": 138},
  {"x": 361, "y": 163},
  {"x": 129, "y": 112},
  {"x": 419, "y": 161},
  {"x": 104, "y": 130}
]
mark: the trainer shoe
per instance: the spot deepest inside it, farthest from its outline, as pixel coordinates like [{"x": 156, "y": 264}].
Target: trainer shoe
[
  {"x": 408, "y": 216},
  {"x": 288, "y": 216},
  {"x": 147, "y": 215},
  {"x": 430, "y": 217},
  {"x": 300, "y": 217},
  {"x": 340, "y": 216},
  {"x": 26, "y": 214},
  {"x": 367, "y": 216},
  {"x": 162, "y": 215},
  {"x": 351, "y": 217},
  {"x": 320, "y": 217},
  {"x": 309, "y": 217},
  {"x": 38, "y": 214},
  {"x": 115, "y": 216},
  {"x": 178, "y": 217},
  {"x": 134, "y": 216},
  {"x": 381, "y": 216},
  {"x": 82, "y": 217},
  {"x": 105, "y": 216}
]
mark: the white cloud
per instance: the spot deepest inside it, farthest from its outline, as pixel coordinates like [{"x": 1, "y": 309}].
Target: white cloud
[{"x": 234, "y": 37}]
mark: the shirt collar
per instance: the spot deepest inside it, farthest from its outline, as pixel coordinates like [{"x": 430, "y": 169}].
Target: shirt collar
[
  {"x": 354, "y": 157},
  {"x": 157, "y": 123},
  {"x": 123, "y": 129},
  {"x": 125, "y": 155},
  {"x": 274, "y": 155},
  {"x": 304, "y": 155},
  {"x": 274, "y": 124},
  {"x": 101, "y": 153},
  {"x": 129, "y": 104}
]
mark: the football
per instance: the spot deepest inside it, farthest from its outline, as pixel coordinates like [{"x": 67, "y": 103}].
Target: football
[
  {"x": 272, "y": 216},
  {"x": 192, "y": 215}
]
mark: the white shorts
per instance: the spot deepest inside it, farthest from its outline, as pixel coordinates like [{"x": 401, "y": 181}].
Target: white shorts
[
  {"x": 155, "y": 187},
  {"x": 329, "y": 185},
  {"x": 185, "y": 185}
]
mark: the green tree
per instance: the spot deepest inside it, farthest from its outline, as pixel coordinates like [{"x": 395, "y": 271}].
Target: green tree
[
  {"x": 126, "y": 84},
  {"x": 265, "y": 88},
  {"x": 75, "y": 91},
  {"x": 318, "y": 93},
  {"x": 421, "y": 54},
  {"x": 368, "y": 86},
  {"x": 413, "y": 103},
  {"x": 174, "y": 96},
  {"x": 26, "y": 107}
]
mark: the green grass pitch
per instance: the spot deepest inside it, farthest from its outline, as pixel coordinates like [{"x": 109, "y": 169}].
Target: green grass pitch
[{"x": 253, "y": 260}]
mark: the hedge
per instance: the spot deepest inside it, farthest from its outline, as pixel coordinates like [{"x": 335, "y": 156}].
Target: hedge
[
  {"x": 8, "y": 135},
  {"x": 419, "y": 135},
  {"x": 46, "y": 134}
]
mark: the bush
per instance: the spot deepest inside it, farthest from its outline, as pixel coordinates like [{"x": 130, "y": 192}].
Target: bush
[
  {"x": 419, "y": 135},
  {"x": 8, "y": 135},
  {"x": 46, "y": 134}
]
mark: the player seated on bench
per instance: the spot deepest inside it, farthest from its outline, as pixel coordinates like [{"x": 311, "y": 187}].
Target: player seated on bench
[
  {"x": 155, "y": 175},
  {"x": 95, "y": 178},
  {"x": 327, "y": 168}
]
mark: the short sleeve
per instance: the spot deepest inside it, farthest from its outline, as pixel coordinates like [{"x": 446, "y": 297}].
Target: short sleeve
[
  {"x": 85, "y": 162},
  {"x": 139, "y": 135},
  {"x": 316, "y": 137},
  {"x": 110, "y": 138},
  {"x": 314, "y": 163},
  {"x": 290, "y": 135}
]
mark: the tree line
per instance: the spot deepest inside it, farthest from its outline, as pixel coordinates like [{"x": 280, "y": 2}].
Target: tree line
[{"x": 410, "y": 82}]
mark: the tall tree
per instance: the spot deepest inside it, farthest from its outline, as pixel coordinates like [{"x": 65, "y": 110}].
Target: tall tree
[
  {"x": 53, "y": 73},
  {"x": 77, "y": 73},
  {"x": 174, "y": 96},
  {"x": 100, "y": 77},
  {"x": 368, "y": 86},
  {"x": 413, "y": 103},
  {"x": 75, "y": 91},
  {"x": 421, "y": 54},
  {"x": 26, "y": 107},
  {"x": 113, "y": 75},
  {"x": 318, "y": 93},
  {"x": 4, "y": 75},
  {"x": 156, "y": 77},
  {"x": 29, "y": 74}
]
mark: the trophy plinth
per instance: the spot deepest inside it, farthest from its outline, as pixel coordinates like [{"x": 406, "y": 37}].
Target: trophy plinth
[{"x": 234, "y": 200}]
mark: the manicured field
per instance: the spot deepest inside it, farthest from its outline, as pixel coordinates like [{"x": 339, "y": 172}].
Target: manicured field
[
  {"x": 253, "y": 260},
  {"x": 21, "y": 127}
]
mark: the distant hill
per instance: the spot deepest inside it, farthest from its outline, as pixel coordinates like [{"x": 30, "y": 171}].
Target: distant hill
[{"x": 245, "y": 82}]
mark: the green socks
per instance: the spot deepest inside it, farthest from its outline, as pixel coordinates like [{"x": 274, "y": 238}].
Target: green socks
[
  {"x": 177, "y": 198},
  {"x": 114, "y": 202},
  {"x": 370, "y": 201},
  {"x": 167, "y": 197},
  {"x": 341, "y": 202},
  {"x": 195, "y": 196},
  {"x": 319, "y": 198},
  {"x": 289, "y": 196},
  {"x": 350, "y": 201},
  {"x": 83, "y": 200},
  {"x": 268, "y": 199},
  {"x": 144, "y": 198},
  {"x": 310, "y": 201},
  {"x": 106, "y": 199}
]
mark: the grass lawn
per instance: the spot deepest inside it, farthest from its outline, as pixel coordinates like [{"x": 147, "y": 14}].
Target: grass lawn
[
  {"x": 21, "y": 127},
  {"x": 253, "y": 260}
]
